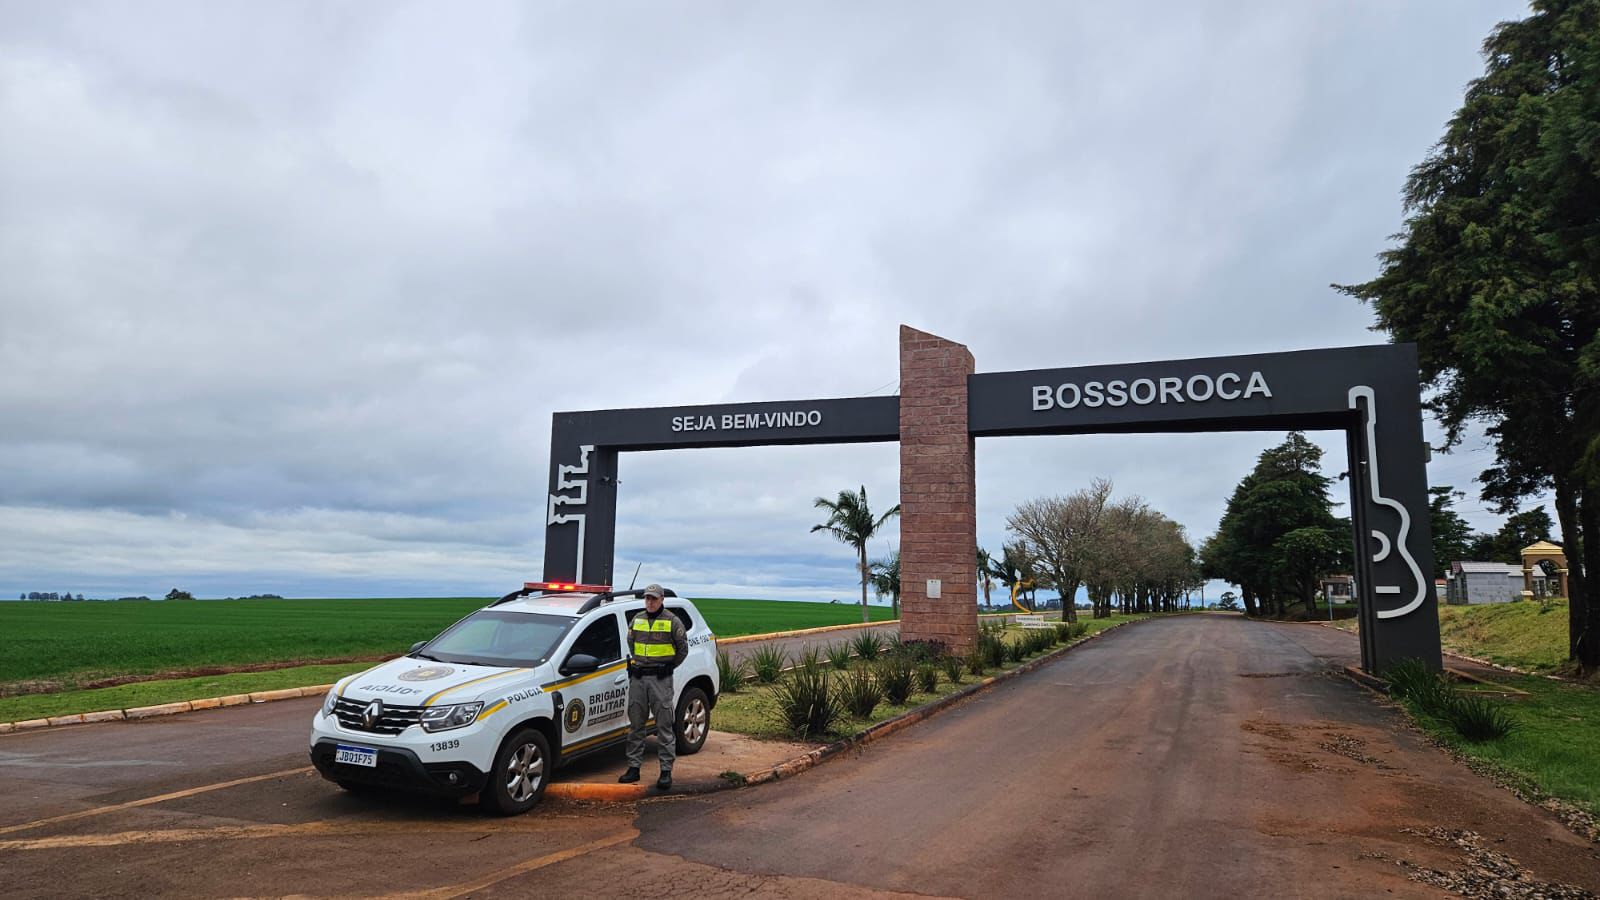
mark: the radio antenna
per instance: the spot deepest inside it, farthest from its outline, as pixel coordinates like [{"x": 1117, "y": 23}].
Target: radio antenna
[{"x": 635, "y": 575}]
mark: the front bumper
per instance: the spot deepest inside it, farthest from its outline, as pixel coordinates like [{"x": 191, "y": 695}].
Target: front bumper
[{"x": 401, "y": 769}]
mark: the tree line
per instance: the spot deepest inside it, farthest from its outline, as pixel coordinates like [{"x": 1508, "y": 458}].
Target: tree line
[{"x": 1124, "y": 554}]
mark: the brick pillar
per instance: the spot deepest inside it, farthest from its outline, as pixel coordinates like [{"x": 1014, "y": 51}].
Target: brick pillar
[{"x": 938, "y": 513}]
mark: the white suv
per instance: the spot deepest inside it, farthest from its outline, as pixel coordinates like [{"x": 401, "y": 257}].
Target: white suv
[{"x": 500, "y": 699}]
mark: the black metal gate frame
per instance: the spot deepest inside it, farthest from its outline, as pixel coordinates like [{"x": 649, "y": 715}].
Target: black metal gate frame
[{"x": 1370, "y": 393}]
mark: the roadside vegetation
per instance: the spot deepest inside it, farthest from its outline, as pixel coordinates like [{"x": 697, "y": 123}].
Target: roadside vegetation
[
  {"x": 53, "y": 647},
  {"x": 1538, "y": 737},
  {"x": 1530, "y": 636},
  {"x": 817, "y": 699}
]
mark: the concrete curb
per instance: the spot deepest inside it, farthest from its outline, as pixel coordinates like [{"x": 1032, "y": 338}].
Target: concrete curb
[{"x": 165, "y": 709}]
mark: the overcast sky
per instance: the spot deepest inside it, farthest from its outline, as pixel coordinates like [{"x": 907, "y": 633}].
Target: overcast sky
[{"x": 289, "y": 291}]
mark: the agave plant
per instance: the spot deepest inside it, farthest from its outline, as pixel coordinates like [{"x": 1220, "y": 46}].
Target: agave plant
[
  {"x": 768, "y": 662},
  {"x": 867, "y": 645},
  {"x": 896, "y": 674},
  {"x": 732, "y": 675},
  {"x": 860, "y": 692},
  {"x": 808, "y": 706},
  {"x": 839, "y": 655}
]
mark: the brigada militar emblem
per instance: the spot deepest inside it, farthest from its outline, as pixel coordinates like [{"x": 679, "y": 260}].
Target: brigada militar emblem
[
  {"x": 426, "y": 673},
  {"x": 575, "y": 714}
]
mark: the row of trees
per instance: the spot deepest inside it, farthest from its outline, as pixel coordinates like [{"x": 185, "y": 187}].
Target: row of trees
[
  {"x": 1496, "y": 279},
  {"x": 48, "y": 595},
  {"x": 1125, "y": 554},
  {"x": 1278, "y": 536}
]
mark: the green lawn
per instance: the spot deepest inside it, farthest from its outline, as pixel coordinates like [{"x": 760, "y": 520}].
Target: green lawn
[
  {"x": 1525, "y": 635},
  {"x": 61, "y": 646},
  {"x": 1554, "y": 746},
  {"x": 168, "y": 690}
]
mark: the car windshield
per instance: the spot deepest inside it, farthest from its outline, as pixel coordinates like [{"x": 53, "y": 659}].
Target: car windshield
[{"x": 498, "y": 638}]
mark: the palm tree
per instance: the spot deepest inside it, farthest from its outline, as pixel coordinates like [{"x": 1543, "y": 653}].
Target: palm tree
[
  {"x": 886, "y": 579},
  {"x": 850, "y": 520},
  {"x": 985, "y": 574}
]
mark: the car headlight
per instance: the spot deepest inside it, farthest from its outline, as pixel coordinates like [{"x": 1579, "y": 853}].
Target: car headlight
[
  {"x": 456, "y": 715},
  {"x": 329, "y": 701}
]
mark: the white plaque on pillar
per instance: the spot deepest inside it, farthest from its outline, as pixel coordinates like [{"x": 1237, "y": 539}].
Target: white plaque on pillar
[{"x": 934, "y": 586}]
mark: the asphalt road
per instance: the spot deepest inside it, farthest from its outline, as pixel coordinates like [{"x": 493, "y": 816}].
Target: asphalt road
[{"x": 1199, "y": 756}]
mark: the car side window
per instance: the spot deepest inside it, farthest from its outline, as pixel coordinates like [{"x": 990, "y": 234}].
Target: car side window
[{"x": 600, "y": 640}]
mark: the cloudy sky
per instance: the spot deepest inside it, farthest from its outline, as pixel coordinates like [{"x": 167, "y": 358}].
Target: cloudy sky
[{"x": 289, "y": 291}]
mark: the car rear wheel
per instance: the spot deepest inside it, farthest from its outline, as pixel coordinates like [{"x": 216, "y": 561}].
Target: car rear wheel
[
  {"x": 520, "y": 773},
  {"x": 694, "y": 721}
]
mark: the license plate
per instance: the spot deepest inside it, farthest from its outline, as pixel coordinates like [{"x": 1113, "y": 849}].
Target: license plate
[{"x": 356, "y": 756}]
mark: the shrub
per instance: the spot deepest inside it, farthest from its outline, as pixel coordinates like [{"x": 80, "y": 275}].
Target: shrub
[
  {"x": 810, "y": 658},
  {"x": 1412, "y": 681},
  {"x": 768, "y": 662},
  {"x": 867, "y": 645},
  {"x": 895, "y": 675},
  {"x": 1015, "y": 650},
  {"x": 952, "y": 665},
  {"x": 925, "y": 651},
  {"x": 808, "y": 706},
  {"x": 860, "y": 692},
  {"x": 732, "y": 675},
  {"x": 976, "y": 662},
  {"x": 1079, "y": 629},
  {"x": 994, "y": 651},
  {"x": 839, "y": 655},
  {"x": 1478, "y": 718},
  {"x": 927, "y": 678},
  {"x": 1064, "y": 632},
  {"x": 893, "y": 644}
]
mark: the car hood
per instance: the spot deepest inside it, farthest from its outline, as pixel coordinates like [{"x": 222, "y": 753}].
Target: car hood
[{"x": 408, "y": 681}]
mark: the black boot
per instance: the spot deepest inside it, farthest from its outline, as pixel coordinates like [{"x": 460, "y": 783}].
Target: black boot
[
  {"x": 630, "y": 776},
  {"x": 664, "y": 783}
]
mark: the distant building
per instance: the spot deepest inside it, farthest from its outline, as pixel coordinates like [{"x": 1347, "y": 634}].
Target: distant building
[
  {"x": 1338, "y": 588},
  {"x": 1487, "y": 582}
]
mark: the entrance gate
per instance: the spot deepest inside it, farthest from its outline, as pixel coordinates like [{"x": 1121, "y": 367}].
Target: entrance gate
[{"x": 1370, "y": 393}]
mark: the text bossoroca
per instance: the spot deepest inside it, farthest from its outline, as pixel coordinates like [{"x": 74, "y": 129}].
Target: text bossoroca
[{"x": 1145, "y": 391}]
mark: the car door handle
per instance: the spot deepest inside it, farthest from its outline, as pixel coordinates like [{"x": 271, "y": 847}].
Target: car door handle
[{"x": 620, "y": 679}]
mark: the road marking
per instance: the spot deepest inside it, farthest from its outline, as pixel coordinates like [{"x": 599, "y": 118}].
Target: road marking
[
  {"x": 539, "y": 862},
  {"x": 162, "y": 798}
]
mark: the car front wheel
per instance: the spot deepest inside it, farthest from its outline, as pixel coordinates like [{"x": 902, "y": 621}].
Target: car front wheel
[
  {"x": 519, "y": 775},
  {"x": 694, "y": 721}
]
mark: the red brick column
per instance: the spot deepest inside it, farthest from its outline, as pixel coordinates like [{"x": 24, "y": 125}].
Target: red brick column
[{"x": 938, "y": 513}]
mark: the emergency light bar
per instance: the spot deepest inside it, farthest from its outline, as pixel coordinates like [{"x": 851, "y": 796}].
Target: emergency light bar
[{"x": 565, "y": 586}]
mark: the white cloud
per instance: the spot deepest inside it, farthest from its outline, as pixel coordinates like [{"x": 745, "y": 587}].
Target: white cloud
[{"x": 291, "y": 290}]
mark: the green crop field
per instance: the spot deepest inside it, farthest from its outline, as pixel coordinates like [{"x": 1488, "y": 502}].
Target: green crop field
[{"x": 61, "y": 646}]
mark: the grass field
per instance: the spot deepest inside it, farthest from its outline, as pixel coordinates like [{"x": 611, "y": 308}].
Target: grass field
[
  {"x": 1552, "y": 749},
  {"x": 62, "y": 646},
  {"x": 1524, "y": 635}
]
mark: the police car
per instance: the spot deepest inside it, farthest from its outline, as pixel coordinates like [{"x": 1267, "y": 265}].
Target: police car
[{"x": 501, "y": 699}]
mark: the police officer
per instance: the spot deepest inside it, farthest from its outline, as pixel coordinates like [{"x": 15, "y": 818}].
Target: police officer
[{"x": 657, "y": 643}]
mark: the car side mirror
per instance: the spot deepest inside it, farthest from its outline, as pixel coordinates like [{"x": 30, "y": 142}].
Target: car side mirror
[
  {"x": 417, "y": 646},
  {"x": 580, "y": 662}
]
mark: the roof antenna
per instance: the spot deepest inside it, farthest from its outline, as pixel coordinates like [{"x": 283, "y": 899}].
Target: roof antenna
[{"x": 635, "y": 575}]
